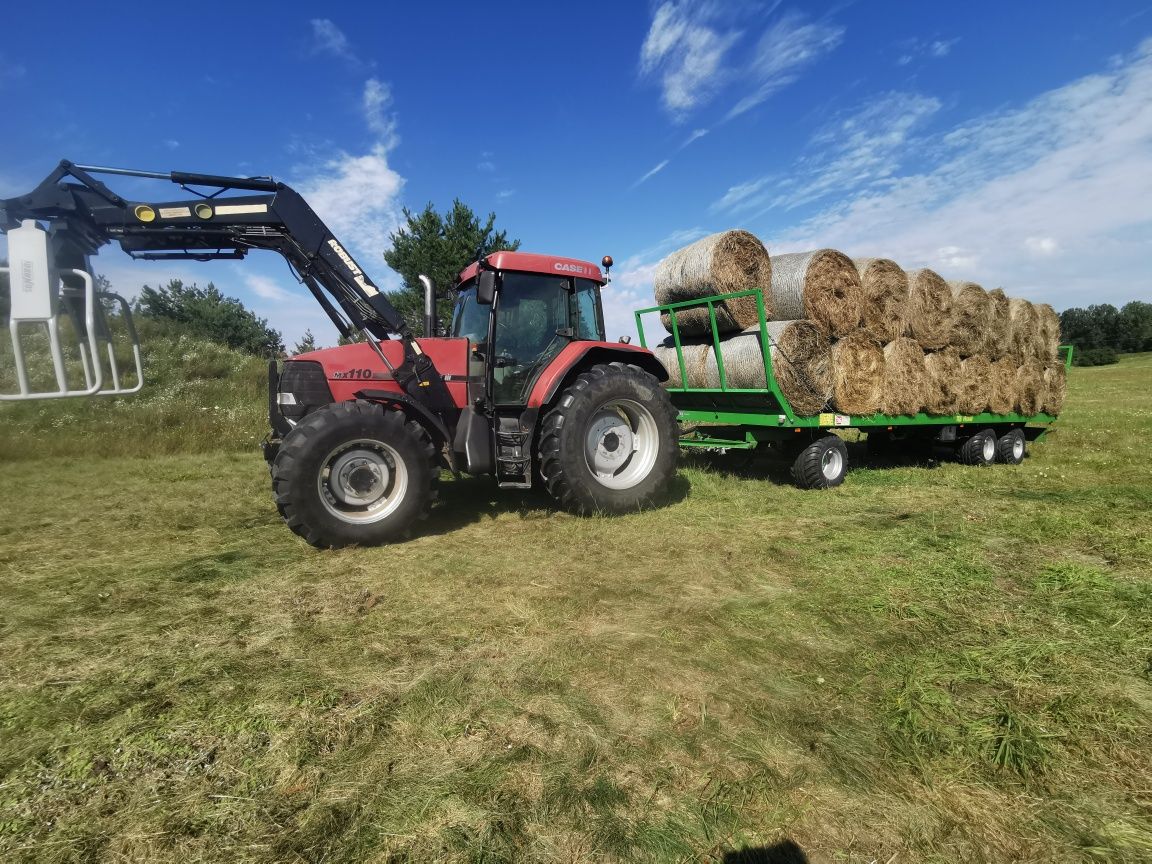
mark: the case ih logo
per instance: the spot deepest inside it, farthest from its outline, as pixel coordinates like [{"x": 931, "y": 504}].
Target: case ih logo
[{"x": 570, "y": 268}]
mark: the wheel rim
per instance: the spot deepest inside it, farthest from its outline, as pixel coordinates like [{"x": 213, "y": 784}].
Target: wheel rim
[
  {"x": 988, "y": 449},
  {"x": 362, "y": 481},
  {"x": 621, "y": 443},
  {"x": 1017, "y": 449},
  {"x": 831, "y": 464}
]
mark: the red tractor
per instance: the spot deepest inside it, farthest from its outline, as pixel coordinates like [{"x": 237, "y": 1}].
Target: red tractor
[{"x": 525, "y": 387}]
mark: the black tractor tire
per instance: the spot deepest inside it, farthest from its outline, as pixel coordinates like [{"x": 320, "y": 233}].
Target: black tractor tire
[
  {"x": 822, "y": 464},
  {"x": 387, "y": 464},
  {"x": 592, "y": 423},
  {"x": 979, "y": 450},
  {"x": 1011, "y": 447}
]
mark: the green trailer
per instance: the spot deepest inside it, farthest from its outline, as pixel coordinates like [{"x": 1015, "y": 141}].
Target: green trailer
[{"x": 724, "y": 418}]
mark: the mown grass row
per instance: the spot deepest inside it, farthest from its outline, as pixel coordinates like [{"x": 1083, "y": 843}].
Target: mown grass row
[{"x": 928, "y": 664}]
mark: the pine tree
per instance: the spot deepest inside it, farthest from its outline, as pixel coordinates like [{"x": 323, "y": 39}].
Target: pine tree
[{"x": 439, "y": 247}]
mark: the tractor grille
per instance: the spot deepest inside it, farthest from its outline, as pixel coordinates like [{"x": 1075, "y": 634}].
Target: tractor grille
[{"x": 305, "y": 381}]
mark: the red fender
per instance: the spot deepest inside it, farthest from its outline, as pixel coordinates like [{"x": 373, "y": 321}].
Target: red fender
[{"x": 578, "y": 354}]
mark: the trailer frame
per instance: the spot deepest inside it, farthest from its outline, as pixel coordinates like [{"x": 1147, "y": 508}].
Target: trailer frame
[{"x": 763, "y": 414}]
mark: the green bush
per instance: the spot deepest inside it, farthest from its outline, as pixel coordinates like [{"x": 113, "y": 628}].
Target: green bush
[{"x": 1094, "y": 357}]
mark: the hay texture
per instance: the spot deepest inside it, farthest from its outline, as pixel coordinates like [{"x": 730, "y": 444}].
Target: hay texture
[
  {"x": 723, "y": 263},
  {"x": 857, "y": 374},
  {"x": 1024, "y": 340},
  {"x": 821, "y": 286},
  {"x": 1055, "y": 386},
  {"x": 884, "y": 293},
  {"x": 998, "y": 339},
  {"x": 975, "y": 385},
  {"x": 1002, "y": 386},
  {"x": 971, "y": 315},
  {"x": 942, "y": 395},
  {"x": 801, "y": 363},
  {"x": 1048, "y": 346},
  {"x": 1030, "y": 392},
  {"x": 928, "y": 314},
  {"x": 905, "y": 377}
]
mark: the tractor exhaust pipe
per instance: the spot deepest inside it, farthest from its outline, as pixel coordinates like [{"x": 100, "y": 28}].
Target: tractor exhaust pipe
[{"x": 429, "y": 306}]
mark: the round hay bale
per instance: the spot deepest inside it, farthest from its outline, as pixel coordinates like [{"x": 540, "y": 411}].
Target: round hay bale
[
  {"x": 723, "y": 263},
  {"x": 905, "y": 377},
  {"x": 1049, "y": 321},
  {"x": 857, "y": 374},
  {"x": 1024, "y": 341},
  {"x": 1030, "y": 392},
  {"x": 971, "y": 314},
  {"x": 821, "y": 286},
  {"x": 942, "y": 394},
  {"x": 801, "y": 364},
  {"x": 1002, "y": 386},
  {"x": 1055, "y": 386},
  {"x": 928, "y": 315},
  {"x": 695, "y": 356},
  {"x": 884, "y": 294},
  {"x": 998, "y": 340},
  {"x": 975, "y": 385}
]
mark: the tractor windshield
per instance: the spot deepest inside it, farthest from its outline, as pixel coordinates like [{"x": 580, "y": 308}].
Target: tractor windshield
[{"x": 536, "y": 316}]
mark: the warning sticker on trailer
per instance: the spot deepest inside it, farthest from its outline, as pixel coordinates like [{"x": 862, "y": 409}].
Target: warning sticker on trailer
[
  {"x": 174, "y": 212},
  {"x": 843, "y": 420},
  {"x": 239, "y": 209}
]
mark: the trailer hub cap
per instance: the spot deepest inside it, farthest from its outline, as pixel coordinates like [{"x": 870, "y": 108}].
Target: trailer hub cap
[
  {"x": 621, "y": 443},
  {"x": 831, "y": 464},
  {"x": 988, "y": 449},
  {"x": 362, "y": 481},
  {"x": 1018, "y": 449}
]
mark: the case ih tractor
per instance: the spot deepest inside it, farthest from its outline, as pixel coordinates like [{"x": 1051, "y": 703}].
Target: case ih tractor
[{"x": 525, "y": 387}]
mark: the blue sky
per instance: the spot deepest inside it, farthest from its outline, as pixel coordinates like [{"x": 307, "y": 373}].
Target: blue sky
[{"x": 1006, "y": 143}]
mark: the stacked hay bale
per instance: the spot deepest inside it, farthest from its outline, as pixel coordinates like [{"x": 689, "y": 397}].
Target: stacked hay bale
[
  {"x": 724, "y": 263},
  {"x": 859, "y": 338}
]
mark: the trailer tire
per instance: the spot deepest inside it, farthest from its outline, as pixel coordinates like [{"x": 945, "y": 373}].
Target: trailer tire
[
  {"x": 354, "y": 473},
  {"x": 1011, "y": 447},
  {"x": 607, "y": 409},
  {"x": 980, "y": 449},
  {"x": 822, "y": 464}
]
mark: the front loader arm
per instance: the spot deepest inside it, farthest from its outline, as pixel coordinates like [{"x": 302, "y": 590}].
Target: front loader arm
[{"x": 83, "y": 214}]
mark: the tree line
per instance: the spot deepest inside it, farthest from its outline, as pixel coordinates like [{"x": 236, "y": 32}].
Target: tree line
[{"x": 1102, "y": 331}]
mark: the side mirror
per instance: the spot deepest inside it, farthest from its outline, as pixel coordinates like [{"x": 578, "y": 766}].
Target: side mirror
[{"x": 486, "y": 287}]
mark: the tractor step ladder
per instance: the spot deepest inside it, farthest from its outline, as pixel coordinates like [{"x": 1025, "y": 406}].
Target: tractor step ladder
[{"x": 37, "y": 292}]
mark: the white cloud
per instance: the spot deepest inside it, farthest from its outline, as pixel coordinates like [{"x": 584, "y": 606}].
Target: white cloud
[
  {"x": 785, "y": 49},
  {"x": 652, "y": 173},
  {"x": 631, "y": 287},
  {"x": 1049, "y": 199},
  {"x": 911, "y": 49},
  {"x": 358, "y": 195},
  {"x": 267, "y": 288},
  {"x": 696, "y": 135},
  {"x": 376, "y": 100},
  {"x": 861, "y": 148},
  {"x": 329, "y": 39},
  {"x": 504, "y": 194},
  {"x": 1042, "y": 245},
  {"x": 687, "y": 54},
  {"x": 171, "y": 143}
]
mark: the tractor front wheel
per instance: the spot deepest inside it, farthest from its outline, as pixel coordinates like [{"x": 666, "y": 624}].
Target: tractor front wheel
[
  {"x": 610, "y": 444},
  {"x": 353, "y": 473}
]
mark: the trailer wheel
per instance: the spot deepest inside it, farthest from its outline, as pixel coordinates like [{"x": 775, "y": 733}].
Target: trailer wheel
[
  {"x": 353, "y": 473},
  {"x": 610, "y": 444},
  {"x": 1010, "y": 447},
  {"x": 822, "y": 464},
  {"x": 980, "y": 449}
]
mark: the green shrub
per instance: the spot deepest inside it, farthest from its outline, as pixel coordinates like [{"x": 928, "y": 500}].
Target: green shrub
[{"x": 1094, "y": 357}]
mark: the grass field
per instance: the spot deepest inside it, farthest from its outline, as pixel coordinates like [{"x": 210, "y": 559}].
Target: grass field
[{"x": 925, "y": 665}]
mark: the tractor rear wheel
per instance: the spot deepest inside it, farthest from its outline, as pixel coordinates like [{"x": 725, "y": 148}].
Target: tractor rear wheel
[
  {"x": 610, "y": 444},
  {"x": 353, "y": 473}
]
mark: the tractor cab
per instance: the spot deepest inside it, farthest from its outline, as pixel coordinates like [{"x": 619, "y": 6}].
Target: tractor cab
[{"x": 520, "y": 311}]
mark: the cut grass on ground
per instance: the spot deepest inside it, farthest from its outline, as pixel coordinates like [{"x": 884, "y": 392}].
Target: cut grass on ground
[{"x": 934, "y": 665}]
